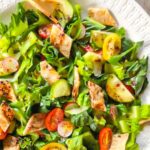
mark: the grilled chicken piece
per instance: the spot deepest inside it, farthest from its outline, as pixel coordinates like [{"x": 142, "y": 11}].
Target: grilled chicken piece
[
  {"x": 6, "y": 90},
  {"x": 6, "y": 116},
  {"x": 119, "y": 141},
  {"x": 35, "y": 123},
  {"x": 56, "y": 35},
  {"x": 48, "y": 72},
  {"x": 11, "y": 143},
  {"x": 60, "y": 40},
  {"x": 8, "y": 66},
  {"x": 76, "y": 85},
  {"x": 65, "y": 46},
  {"x": 102, "y": 15},
  {"x": 96, "y": 96}
]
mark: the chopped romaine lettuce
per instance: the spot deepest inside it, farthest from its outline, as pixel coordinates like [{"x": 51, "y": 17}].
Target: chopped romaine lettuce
[{"x": 83, "y": 142}]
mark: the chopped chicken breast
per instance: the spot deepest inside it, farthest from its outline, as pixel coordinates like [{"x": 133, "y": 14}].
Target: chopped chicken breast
[
  {"x": 76, "y": 84},
  {"x": 102, "y": 15},
  {"x": 35, "y": 123},
  {"x": 6, "y": 116},
  {"x": 6, "y": 90},
  {"x": 11, "y": 143},
  {"x": 8, "y": 66},
  {"x": 48, "y": 72},
  {"x": 96, "y": 96},
  {"x": 119, "y": 141},
  {"x": 60, "y": 40}
]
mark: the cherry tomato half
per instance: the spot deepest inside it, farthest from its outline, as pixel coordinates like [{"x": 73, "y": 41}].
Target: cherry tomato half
[
  {"x": 42, "y": 58},
  {"x": 65, "y": 128},
  {"x": 53, "y": 118},
  {"x": 88, "y": 48},
  {"x": 105, "y": 138},
  {"x": 2, "y": 134},
  {"x": 44, "y": 31}
]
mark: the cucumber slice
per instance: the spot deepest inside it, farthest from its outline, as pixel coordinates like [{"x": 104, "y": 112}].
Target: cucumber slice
[
  {"x": 59, "y": 89},
  {"x": 117, "y": 90}
]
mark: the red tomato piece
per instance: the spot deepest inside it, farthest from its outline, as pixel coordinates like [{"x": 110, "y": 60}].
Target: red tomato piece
[
  {"x": 44, "y": 31},
  {"x": 42, "y": 57},
  {"x": 2, "y": 134},
  {"x": 129, "y": 87},
  {"x": 53, "y": 118},
  {"x": 105, "y": 138},
  {"x": 88, "y": 48},
  {"x": 65, "y": 128}
]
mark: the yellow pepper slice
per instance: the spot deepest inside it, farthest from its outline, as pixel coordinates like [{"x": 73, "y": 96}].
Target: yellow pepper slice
[
  {"x": 111, "y": 46},
  {"x": 54, "y": 146}
]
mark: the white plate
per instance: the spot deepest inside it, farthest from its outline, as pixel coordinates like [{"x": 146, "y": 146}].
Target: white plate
[{"x": 129, "y": 15}]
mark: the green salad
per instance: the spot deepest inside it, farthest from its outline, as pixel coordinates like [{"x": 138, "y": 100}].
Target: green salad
[{"x": 68, "y": 82}]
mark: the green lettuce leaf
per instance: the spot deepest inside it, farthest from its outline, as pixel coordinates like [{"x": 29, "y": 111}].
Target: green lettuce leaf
[
  {"x": 84, "y": 141},
  {"x": 91, "y": 24},
  {"x": 84, "y": 99},
  {"x": 82, "y": 119},
  {"x": 74, "y": 28},
  {"x": 132, "y": 51}
]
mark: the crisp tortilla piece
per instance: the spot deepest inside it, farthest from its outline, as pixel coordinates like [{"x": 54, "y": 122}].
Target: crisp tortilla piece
[
  {"x": 11, "y": 143},
  {"x": 119, "y": 141},
  {"x": 96, "y": 96},
  {"x": 35, "y": 123},
  {"x": 102, "y": 15}
]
